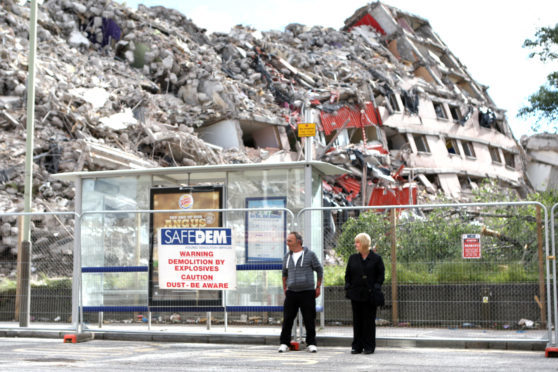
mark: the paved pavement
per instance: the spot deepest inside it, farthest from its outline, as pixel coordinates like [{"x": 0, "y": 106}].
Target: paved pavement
[
  {"x": 50, "y": 355},
  {"x": 465, "y": 338}
]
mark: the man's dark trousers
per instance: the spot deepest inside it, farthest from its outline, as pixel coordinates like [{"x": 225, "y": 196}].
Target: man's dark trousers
[{"x": 306, "y": 301}]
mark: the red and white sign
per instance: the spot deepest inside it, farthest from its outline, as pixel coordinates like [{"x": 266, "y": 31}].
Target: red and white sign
[
  {"x": 471, "y": 245},
  {"x": 202, "y": 259}
]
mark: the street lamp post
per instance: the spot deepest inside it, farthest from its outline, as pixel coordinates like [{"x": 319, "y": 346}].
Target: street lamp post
[{"x": 25, "y": 273}]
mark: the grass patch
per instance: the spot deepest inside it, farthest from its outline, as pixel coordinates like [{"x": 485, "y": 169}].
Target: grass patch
[{"x": 444, "y": 272}]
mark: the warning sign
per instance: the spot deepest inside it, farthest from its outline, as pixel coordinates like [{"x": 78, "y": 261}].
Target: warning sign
[
  {"x": 306, "y": 129},
  {"x": 471, "y": 245},
  {"x": 201, "y": 259}
]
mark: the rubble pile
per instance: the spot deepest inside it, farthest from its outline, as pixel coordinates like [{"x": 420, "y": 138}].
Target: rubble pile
[{"x": 122, "y": 88}]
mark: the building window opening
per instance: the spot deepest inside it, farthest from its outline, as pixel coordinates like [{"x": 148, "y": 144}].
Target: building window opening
[
  {"x": 494, "y": 154},
  {"x": 468, "y": 184},
  {"x": 371, "y": 133},
  {"x": 446, "y": 60},
  {"x": 440, "y": 112},
  {"x": 509, "y": 158},
  {"x": 379, "y": 98},
  {"x": 421, "y": 143},
  {"x": 468, "y": 149},
  {"x": 451, "y": 146},
  {"x": 393, "y": 103},
  {"x": 499, "y": 125},
  {"x": 455, "y": 113},
  {"x": 341, "y": 140},
  {"x": 396, "y": 141}
]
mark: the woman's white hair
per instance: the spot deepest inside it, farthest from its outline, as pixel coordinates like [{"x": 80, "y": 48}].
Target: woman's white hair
[{"x": 364, "y": 240}]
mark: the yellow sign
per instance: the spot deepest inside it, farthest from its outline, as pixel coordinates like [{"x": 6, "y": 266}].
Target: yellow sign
[{"x": 306, "y": 129}]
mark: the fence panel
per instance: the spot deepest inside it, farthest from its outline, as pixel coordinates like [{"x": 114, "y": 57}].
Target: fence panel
[
  {"x": 50, "y": 264},
  {"x": 551, "y": 272},
  {"x": 431, "y": 289},
  {"x": 117, "y": 259},
  {"x": 494, "y": 287}
]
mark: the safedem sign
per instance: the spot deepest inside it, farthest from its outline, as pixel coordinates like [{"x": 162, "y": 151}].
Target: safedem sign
[
  {"x": 201, "y": 259},
  {"x": 471, "y": 245}
]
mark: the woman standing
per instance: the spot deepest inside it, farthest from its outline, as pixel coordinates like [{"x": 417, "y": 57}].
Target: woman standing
[{"x": 364, "y": 275}]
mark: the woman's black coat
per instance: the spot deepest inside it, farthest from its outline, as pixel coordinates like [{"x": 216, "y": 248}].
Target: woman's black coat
[{"x": 363, "y": 277}]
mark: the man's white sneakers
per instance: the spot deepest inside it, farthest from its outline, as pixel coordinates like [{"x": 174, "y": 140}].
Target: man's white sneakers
[
  {"x": 311, "y": 348},
  {"x": 284, "y": 348}
]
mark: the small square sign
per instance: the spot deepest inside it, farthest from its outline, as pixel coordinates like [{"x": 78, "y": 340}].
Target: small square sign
[
  {"x": 306, "y": 129},
  {"x": 471, "y": 245}
]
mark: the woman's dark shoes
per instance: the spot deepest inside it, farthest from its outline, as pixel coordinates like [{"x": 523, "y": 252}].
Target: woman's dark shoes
[
  {"x": 356, "y": 351},
  {"x": 368, "y": 351}
]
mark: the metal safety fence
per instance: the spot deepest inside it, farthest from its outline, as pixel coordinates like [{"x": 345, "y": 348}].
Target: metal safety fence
[
  {"x": 499, "y": 284},
  {"x": 551, "y": 272},
  {"x": 467, "y": 271},
  {"x": 122, "y": 270},
  {"x": 36, "y": 278}
]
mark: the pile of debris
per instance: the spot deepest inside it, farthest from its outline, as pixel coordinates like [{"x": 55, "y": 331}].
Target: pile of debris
[{"x": 121, "y": 88}]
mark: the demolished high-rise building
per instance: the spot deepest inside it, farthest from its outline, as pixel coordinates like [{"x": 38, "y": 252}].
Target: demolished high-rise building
[
  {"x": 122, "y": 88},
  {"x": 435, "y": 118}
]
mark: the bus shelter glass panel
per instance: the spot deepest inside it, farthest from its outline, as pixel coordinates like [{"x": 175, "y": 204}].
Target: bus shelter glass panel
[
  {"x": 114, "y": 239},
  {"x": 115, "y": 289},
  {"x": 274, "y": 188}
]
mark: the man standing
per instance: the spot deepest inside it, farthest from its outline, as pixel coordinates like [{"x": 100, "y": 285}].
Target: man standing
[{"x": 299, "y": 265}]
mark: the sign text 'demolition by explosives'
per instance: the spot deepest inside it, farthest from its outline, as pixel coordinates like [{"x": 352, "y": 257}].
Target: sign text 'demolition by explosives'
[{"x": 196, "y": 259}]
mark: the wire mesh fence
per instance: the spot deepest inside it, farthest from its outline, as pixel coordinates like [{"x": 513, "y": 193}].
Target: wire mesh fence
[
  {"x": 41, "y": 279},
  {"x": 472, "y": 267},
  {"x": 127, "y": 278},
  {"x": 467, "y": 266}
]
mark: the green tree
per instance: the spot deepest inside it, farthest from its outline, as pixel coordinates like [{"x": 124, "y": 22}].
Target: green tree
[{"x": 544, "y": 103}]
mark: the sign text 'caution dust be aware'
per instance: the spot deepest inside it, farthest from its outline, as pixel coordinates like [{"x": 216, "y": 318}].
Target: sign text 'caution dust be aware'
[{"x": 200, "y": 258}]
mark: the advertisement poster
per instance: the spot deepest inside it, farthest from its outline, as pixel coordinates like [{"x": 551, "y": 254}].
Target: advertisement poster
[
  {"x": 471, "y": 245},
  {"x": 201, "y": 259},
  {"x": 266, "y": 232},
  {"x": 186, "y": 201}
]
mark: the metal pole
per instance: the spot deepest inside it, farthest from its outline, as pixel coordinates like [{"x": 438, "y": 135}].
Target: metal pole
[
  {"x": 308, "y": 188},
  {"x": 77, "y": 279},
  {"x": 541, "y": 260},
  {"x": 29, "y": 155},
  {"x": 551, "y": 264},
  {"x": 394, "y": 295},
  {"x": 30, "y": 121},
  {"x": 554, "y": 279},
  {"x": 25, "y": 302},
  {"x": 364, "y": 182},
  {"x": 19, "y": 285},
  {"x": 226, "y": 315},
  {"x": 308, "y": 195}
]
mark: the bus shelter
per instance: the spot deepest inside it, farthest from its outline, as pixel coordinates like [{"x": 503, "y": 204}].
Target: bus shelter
[{"x": 117, "y": 266}]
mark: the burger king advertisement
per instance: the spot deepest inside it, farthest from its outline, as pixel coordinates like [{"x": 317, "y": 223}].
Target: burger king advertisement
[{"x": 184, "y": 203}]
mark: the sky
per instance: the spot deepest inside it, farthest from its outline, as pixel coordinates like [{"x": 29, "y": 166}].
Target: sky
[{"x": 485, "y": 35}]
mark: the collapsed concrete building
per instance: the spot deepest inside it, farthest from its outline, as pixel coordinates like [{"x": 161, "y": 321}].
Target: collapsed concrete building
[
  {"x": 121, "y": 88},
  {"x": 541, "y": 160},
  {"x": 436, "y": 119},
  {"x": 399, "y": 107}
]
